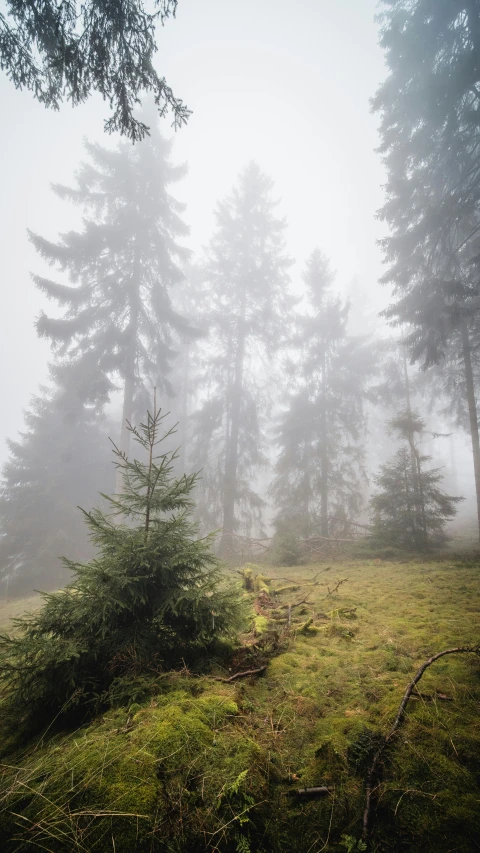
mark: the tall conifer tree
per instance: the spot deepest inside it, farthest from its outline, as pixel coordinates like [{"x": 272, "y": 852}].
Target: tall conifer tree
[
  {"x": 117, "y": 329},
  {"x": 118, "y": 322},
  {"x": 319, "y": 470},
  {"x": 430, "y": 108},
  {"x": 246, "y": 281}
]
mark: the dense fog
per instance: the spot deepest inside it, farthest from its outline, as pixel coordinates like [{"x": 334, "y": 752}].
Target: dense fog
[{"x": 234, "y": 265}]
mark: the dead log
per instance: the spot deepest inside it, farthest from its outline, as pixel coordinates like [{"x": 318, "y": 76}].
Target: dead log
[{"x": 371, "y": 775}]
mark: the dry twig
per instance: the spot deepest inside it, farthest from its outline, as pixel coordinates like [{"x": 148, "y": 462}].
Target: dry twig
[
  {"x": 241, "y": 674},
  {"x": 370, "y": 780}
]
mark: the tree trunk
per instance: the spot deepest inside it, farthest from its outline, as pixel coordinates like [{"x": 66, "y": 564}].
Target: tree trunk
[
  {"x": 231, "y": 455},
  {"x": 410, "y": 509},
  {"x": 416, "y": 464},
  {"x": 453, "y": 465},
  {"x": 126, "y": 417},
  {"x": 472, "y": 411},
  {"x": 185, "y": 397},
  {"x": 324, "y": 450},
  {"x": 130, "y": 360}
]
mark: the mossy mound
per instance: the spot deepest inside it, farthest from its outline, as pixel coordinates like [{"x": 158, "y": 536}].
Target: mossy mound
[
  {"x": 169, "y": 776},
  {"x": 199, "y": 764}
]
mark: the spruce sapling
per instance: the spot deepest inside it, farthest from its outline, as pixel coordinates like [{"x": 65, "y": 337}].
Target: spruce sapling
[{"x": 153, "y": 596}]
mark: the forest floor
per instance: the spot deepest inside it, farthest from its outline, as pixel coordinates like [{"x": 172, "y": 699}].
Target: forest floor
[{"x": 197, "y": 764}]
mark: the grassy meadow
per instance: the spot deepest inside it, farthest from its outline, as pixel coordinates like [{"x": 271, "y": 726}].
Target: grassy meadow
[{"x": 193, "y": 763}]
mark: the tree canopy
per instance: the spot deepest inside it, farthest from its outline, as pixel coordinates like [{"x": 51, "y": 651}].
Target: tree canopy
[{"x": 65, "y": 51}]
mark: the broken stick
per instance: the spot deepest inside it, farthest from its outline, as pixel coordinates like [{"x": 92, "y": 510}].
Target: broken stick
[
  {"x": 398, "y": 719},
  {"x": 241, "y": 674}
]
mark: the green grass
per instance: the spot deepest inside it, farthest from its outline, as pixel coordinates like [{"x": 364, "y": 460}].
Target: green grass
[
  {"x": 17, "y": 607},
  {"x": 205, "y": 765}
]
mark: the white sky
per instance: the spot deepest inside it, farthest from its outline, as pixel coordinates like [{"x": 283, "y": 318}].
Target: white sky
[{"x": 284, "y": 83}]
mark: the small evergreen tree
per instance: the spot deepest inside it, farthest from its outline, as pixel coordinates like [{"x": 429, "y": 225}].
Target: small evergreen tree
[
  {"x": 410, "y": 511},
  {"x": 151, "y": 597}
]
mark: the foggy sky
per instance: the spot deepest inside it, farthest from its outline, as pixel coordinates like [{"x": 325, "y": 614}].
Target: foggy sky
[{"x": 287, "y": 84}]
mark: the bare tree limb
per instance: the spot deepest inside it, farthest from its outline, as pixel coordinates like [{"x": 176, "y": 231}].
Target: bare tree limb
[
  {"x": 370, "y": 780},
  {"x": 241, "y": 674}
]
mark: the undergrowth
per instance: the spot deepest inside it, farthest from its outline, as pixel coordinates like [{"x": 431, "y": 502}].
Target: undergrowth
[{"x": 199, "y": 764}]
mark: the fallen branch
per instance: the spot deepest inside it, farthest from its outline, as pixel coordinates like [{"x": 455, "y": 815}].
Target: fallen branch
[
  {"x": 335, "y": 588},
  {"x": 295, "y": 603},
  {"x": 312, "y": 792},
  {"x": 370, "y": 780},
  {"x": 241, "y": 674},
  {"x": 428, "y": 697}
]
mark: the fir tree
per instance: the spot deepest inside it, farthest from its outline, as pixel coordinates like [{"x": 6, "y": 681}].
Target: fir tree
[
  {"x": 118, "y": 320},
  {"x": 410, "y": 510},
  {"x": 117, "y": 327},
  {"x": 430, "y": 109},
  {"x": 151, "y": 598},
  {"x": 247, "y": 313},
  {"x": 319, "y": 471},
  {"x": 69, "y": 50}
]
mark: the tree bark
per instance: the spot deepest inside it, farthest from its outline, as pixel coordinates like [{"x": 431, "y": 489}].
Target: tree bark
[
  {"x": 472, "y": 411},
  {"x": 231, "y": 455}
]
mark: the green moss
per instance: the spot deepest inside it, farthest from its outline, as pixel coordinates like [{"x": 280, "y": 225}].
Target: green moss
[
  {"x": 202, "y": 764},
  {"x": 260, "y": 625}
]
